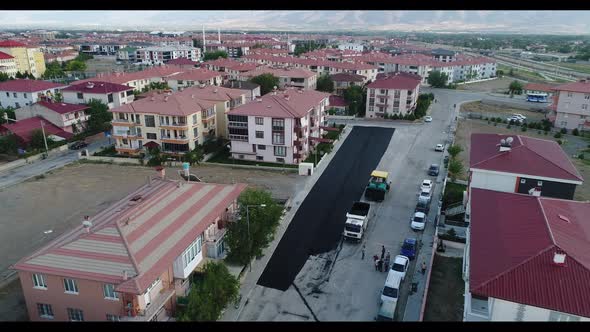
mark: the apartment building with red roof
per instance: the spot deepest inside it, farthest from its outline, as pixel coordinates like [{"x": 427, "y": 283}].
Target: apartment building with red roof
[
  {"x": 571, "y": 105},
  {"x": 23, "y": 130},
  {"x": 288, "y": 77},
  {"x": 140, "y": 79},
  {"x": 130, "y": 261},
  {"x": 22, "y": 92},
  {"x": 527, "y": 258},
  {"x": 27, "y": 57},
  {"x": 192, "y": 77},
  {"x": 393, "y": 94},
  {"x": 111, "y": 94},
  {"x": 280, "y": 127},
  {"x": 71, "y": 118}
]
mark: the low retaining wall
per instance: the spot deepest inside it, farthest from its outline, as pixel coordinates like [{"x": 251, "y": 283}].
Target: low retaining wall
[
  {"x": 113, "y": 160},
  {"x": 31, "y": 159},
  {"x": 484, "y": 80},
  {"x": 268, "y": 168}
]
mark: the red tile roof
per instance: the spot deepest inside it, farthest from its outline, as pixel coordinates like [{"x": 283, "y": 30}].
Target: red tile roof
[
  {"x": 346, "y": 77},
  {"x": 98, "y": 88},
  {"x": 23, "y": 128},
  {"x": 140, "y": 238},
  {"x": 539, "y": 87},
  {"x": 269, "y": 105},
  {"x": 530, "y": 156},
  {"x": 4, "y": 56},
  {"x": 180, "y": 103},
  {"x": 338, "y": 101},
  {"x": 200, "y": 74},
  {"x": 27, "y": 85},
  {"x": 397, "y": 81},
  {"x": 62, "y": 108},
  {"x": 181, "y": 61},
  {"x": 11, "y": 43},
  {"x": 513, "y": 240},
  {"x": 583, "y": 87},
  {"x": 147, "y": 74}
]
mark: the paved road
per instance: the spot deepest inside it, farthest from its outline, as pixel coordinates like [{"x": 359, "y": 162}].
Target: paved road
[
  {"x": 339, "y": 285},
  {"x": 25, "y": 172},
  {"x": 318, "y": 224}
]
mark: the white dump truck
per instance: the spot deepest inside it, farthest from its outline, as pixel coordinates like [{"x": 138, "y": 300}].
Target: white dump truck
[{"x": 356, "y": 220}]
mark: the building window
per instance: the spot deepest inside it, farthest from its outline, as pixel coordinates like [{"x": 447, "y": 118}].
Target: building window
[
  {"x": 259, "y": 134},
  {"x": 109, "y": 292},
  {"x": 280, "y": 151},
  {"x": 192, "y": 251},
  {"x": 14, "y": 94},
  {"x": 278, "y": 124},
  {"x": 194, "y": 119},
  {"x": 125, "y": 141},
  {"x": 196, "y": 132},
  {"x": 70, "y": 286},
  {"x": 45, "y": 310},
  {"x": 110, "y": 97},
  {"x": 8, "y": 94},
  {"x": 39, "y": 281},
  {"x": 150, "y": 121},
  {"x": 75, "y": 315},
  {"x": 585, "y": 106},
  {"x": 259, "y": 120},
  {"x": 25, "y": 95},
  {"x": 80, "y": 95},
  {"x": 17, "y": 105},
  {"x": 241, "y": 156},
  {"x": 112, "y": 318},
  {"x": 259, "y": 158},
  {"x": 261, "y": 147},
  {"x": 586, "y": 96},
  {"x": 278, "y": 138},
  {"x": 151, "y": 136}
]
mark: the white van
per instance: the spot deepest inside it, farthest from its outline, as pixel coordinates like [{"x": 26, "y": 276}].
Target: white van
[
  {"x": 386, "y": 311},
  {"x": 391, "y": 288}
]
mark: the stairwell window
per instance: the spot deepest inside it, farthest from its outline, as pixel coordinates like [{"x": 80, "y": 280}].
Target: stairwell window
[
  {"x": 109, "y": 292},
  {"x": 39, "y": 281},
  {"x": 70, "y": 286}
]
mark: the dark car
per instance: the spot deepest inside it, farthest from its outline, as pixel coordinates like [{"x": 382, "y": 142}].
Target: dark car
[
  {"x": 409, "y": 247},
  {"x": 78, "y": 145},
  {"x": 446, "y": 161},
  {"x": 433, "y": 170},
  {"x": 422, "y": 206}
]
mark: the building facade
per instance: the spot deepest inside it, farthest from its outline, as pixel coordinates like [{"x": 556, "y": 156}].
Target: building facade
[
  {"x": 393, "y": 94},
  {"x": 27, "y": 59},
  {"x": 69, "y": 117},
  {"x": 23, "y": 92},
  {"x": 111, "y": 94},
  {"x": 572, "y": 106},
  {"x": 160, "y": 55},
  {"x": 8, "y": 64}
]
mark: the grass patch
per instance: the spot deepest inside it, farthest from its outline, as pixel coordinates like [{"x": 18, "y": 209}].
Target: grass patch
[
  {"x": 445, "y": 293},
  {"x": 453, "y": 193},
  {"x": 224, "y": 157}
]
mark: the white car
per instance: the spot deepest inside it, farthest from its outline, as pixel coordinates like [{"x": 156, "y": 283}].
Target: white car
[
  {"x": 439, "y": 147},
  {"x": 400, "y": 266},
  {"x": 515, "y": 119},
  {"x": 426, "y": 185},
  {"x": 522, "y": 117},
  {"x": 425, "y": 195},
  {"x": 418, "y": 221},
  {"x": 427, "y": 118}
]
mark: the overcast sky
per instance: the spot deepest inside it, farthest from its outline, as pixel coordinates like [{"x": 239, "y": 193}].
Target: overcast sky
[{"x": 538, "y": 22}]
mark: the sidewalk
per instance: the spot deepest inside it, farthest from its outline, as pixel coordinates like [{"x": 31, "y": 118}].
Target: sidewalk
[{"x": 250, "y": 278}]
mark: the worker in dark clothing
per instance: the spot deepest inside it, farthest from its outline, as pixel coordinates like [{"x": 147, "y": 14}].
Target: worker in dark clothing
[
  {"x": 382, "y": 252},
  {"x": 423, "y": 267},
  {"x": 380, "y": 265},
  {"x": 363, "y": 252}
]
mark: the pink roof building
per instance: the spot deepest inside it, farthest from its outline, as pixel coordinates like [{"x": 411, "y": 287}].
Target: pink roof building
[
  {"x": 131, "y": 260},
  {"x": 69, "y": 117},
  {"x": 23, "y": 130},
  {"x": 111, "y": 94},
  {"x": 393, "y": 94},
  {"x": 528, "y": 258}
]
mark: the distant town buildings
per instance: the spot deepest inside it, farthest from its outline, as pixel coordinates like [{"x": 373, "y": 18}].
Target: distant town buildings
[{"x": 161, "y": 54}]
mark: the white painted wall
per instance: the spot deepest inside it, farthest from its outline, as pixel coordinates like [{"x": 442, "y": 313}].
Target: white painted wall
[
  {"x": 7, "y": 98},
  {"x": 497, "y": 182}
]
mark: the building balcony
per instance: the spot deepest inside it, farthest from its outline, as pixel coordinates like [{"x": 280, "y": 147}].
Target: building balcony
[
  {"x": 208, "y": 119},
  {"x": 174, "y": 126},
  {"x": 297, "y": 155},
  {"x": 243, "y": 138},
  {"x": 124, "y": 123},
  {"x": 154, "y": 310},
  {"x": 175, "y": 140},
  {"x": 297, "y": 143},
  {"x": 234, "y": 124}
]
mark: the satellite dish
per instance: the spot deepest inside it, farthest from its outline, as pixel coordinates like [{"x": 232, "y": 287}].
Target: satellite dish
[
  {"x": 509, "y": 140},
  {"x": 87, "y": 223},
  {"x": 503, "y": 141}
]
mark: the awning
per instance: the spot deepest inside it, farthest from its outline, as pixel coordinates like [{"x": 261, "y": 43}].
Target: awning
[{"x": 151, "y": 145}]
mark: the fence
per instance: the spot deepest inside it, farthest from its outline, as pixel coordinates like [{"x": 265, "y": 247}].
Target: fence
[
  {"x": 112, "y": 160},
  {"x": 31, "y": 159}
]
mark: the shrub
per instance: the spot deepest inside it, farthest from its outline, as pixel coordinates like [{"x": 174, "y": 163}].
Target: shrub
[
  {"x": 575, "y": 132},
  {"x": 563, "y": 131},
  {"x": 395, "y": 116},
  {"x": 411, "y": 117},
  {"x": 546, "y": 132},
  {"x": 495, "y": 124},
  {"x": 539, "y": 132},
  {"x": 557, "y": 135},
  {"x": 560, "y": 142},
  {"x": 523, "y": 128},
  {"x": 581, "y": 156}
]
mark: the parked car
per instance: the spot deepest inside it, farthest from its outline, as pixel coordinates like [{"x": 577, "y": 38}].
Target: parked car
[
  {"x": 426, "y": 184},
  {"x": 409, "y": 247},
  {"x": 519, "y": 116},
  {"x": 391, "y": 288},
  {"x": 400, "y": 266},
  {"x": 425, "y": 195},
  {"x": 418, "y": 222},
  {"x": 446, "y": 161},
  {"x": 439, "y": 148},
  {"x": 433, "y": 170},
  {"x": 514, "y": 119},
  {"x": 78, "y": 145},
  {"x": 422, "y": 206},
  {"x": 427, "y": 118},
  {"x": 386, "y": 311}
]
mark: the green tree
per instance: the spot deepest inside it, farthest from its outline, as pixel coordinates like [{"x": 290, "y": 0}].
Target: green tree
[
  {"x": 4, "y": 77},
  {"x": 37, "y": 140},
  {"x": 214, "y": 55},
  {"x": 83, "y": 57},
  {"x": 325, "y": 84},
  {"x": 8, "y": 144},
  {"x": 454, "y": 150},
  {"x": 455, "y": 169},
  {"x": 100, "y": 117},
  {"x": 354, "y": 96},
  {"x": 515, "y": 87},
  {"x": 244, "y": 245},
  {"x": 75, "y": 65},
  {"x": 424, "y": 101},
  {"x": 194, "y": 156},
  {"x": 8, "y": 110},
  {"x": 53, "y": 70},
  {"x": 499, "y": 73},
  {"x": 437, "y": 79},
  {"x": 156, "y": 157},
  {"x": 267, "y": 82},
  {"x": 211, "y": 293},
  {"x": 511, "y": 72},
  {"x": 19, "y": 74}
]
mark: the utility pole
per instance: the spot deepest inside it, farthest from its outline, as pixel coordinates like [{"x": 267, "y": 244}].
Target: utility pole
[
  {"x": 249, "y": 241},
  {"x": 44, "y": 138}
]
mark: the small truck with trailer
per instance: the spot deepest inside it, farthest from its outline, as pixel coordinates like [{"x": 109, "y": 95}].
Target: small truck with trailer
[{"x": 357, "y": 219}]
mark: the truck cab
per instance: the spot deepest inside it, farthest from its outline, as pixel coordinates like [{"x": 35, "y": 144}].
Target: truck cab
[
  {"x": 356, "y": 220},
  {"x": 377, "y": 186}
]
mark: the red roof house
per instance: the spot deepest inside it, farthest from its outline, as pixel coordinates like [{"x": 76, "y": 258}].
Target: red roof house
[
  {"x": 23, "y": 129},
  {"x": 27, "y": 85},
  {"x": 397, "y": 81},
  {"x": 516, "y": 242},
  {"x": 11, "y": 44}
]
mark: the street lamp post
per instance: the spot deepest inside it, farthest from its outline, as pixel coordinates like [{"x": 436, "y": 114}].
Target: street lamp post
[
  {"x": 249, "y": 241},
  {"x": 44, "y": 138}
]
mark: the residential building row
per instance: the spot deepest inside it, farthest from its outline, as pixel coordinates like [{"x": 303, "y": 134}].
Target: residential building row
[
  {"x": 288, "y": 77},
  {"x": 132, "y": 260},
  {"x": 27, "y": 58},
  {"x": 525, "y": 232},
  {"x": 161, "y": 54}
]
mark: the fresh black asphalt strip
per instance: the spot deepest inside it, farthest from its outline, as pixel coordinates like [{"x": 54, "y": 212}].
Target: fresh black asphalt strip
[{"x": 318, "y": 224}]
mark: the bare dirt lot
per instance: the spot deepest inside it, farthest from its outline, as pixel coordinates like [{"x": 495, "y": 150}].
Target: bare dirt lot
[
  {"x": 498, "y": 85},
  {"x": 496, "y": 111},
  {"x": 59, "y": 200},
  {"x": 466, "y": 127},
  {"x": 445, "y": 295}
]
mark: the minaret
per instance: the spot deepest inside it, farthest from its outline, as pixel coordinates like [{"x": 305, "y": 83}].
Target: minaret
[
  {"x": 204, "y": 39},
  {"x": 219, "y": 35}
]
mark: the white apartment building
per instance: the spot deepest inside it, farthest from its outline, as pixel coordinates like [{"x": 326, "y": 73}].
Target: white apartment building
[
  {"x": 8, "y": 65},
  {"x": 393, "y": 94},
  {"x": 288, "y": 77},
  {"x": 194, "y": 77},
  {"x": 23, "y": 92},
  {"x": 69, "y": 117},
  {"x": 159, "y": 55},
  {"x": 280, "y": 127},
  {"x": 351, "y": 47},
  {"x": 174, "y": 122},
  {"x": 571, "y": 105},
  {"x": 113, "y": 95}
]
